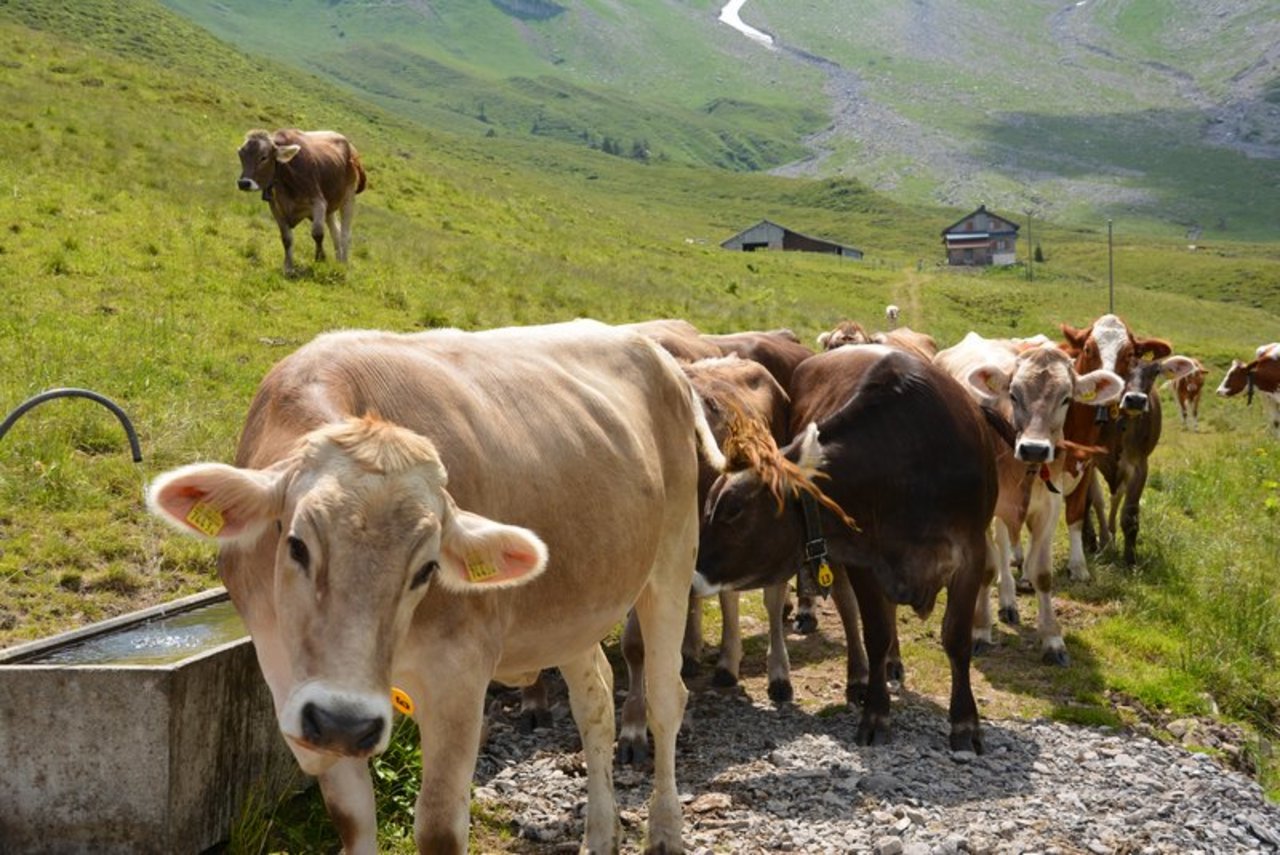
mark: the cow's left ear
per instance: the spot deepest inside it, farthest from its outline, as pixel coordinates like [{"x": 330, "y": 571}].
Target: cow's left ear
[
  {"x": 478, "y": 554},
  {"x": 1098, "y": 387},
  {"x": 1177, "y": 367},
  {"x": 1152, "y": 348},
  {"x": 285, "y": 153}
]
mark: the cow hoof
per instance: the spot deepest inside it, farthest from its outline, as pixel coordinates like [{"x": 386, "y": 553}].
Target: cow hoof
[
  {"x": 689, "y": 667},
  {"x": 1056, "y": 656},
  {"x": 663, "y": 849},
  {"x": 1009, "y": 615},
  {"x": 723, "y": 679},
  {"x": 531, "y": 720},
  {"x": 967, "y": 738},
  {"x": 633, "y": 752},
  {"x": 856, "y": 694},
  {"x": 806, "y": 623},
  {"x": 780, "y": 691},
  {"x": 981, "y": 646},
  {"x": 1024, "y": 586},
  {"x": 872, "y": 730}
]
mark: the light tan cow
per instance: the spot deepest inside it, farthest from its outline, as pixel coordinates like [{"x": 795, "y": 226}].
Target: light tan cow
[
  {"x": 434, "y": 511},
  {"x": 304, "y": 175},
  {"x": 1031, "y": 383}
]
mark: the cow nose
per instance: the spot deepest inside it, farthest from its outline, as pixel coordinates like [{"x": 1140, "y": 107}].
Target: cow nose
[
  {"x": 347, "y": 734},
  {"x": 245, "y": 183},
  {"x": 1134, "y": 402},
  {"x": 1033, "y": 451}
]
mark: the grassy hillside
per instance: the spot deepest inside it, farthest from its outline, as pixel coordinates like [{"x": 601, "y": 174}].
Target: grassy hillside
[
  {"x": 1134, "y": 110},
  {"x": 130, "y": 264}
]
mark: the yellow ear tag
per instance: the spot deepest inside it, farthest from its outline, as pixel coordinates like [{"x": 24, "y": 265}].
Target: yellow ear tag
[
  {"x": 206, "y": 518},
  {"x": 825, "y": 576},
  {"x": 401, "y": 701},
  {"x": 480, "y": 570},
  {"x": 1088, "y": 396},
  {"x": 993, "y": 383},
  {"x": 1148, "y": 356}
]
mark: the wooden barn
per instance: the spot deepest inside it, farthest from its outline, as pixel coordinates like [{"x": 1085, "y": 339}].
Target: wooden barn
[
  {"x": 981, "y": 238},
  {"x": 770, "y": 235}
]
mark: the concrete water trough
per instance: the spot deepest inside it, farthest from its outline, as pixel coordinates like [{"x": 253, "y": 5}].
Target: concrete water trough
[{"x": 145, "y": 733}]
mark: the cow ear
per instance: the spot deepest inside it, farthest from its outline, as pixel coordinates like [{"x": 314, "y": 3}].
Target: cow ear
[
  {"x": 216, "y": 501},
  {"x": 1177, "y": 367},
  {"x": 285, "y": 153},
  {"x": 1075, "y": 339},
  {"x": 823, "y": 338},
  {"x": 1152, "y": 348},
  {"x": 1098, "y": 387},
  {"x": 989, "y": 380},
  {"x": 478, "y": 554}
]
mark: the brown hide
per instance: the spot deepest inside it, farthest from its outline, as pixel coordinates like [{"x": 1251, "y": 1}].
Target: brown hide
[{"x": 779, "y": 351}]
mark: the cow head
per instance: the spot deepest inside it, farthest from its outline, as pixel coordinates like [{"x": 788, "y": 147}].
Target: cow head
[
  {"x": 750, "y": 522},
  {"x": 1109, "y": 344},
  {"x": 362, "y": 526},
  {"x": 846, "y": 332},
  {"x": 1237, "y": 378},
  {"x": 1036, "y": 394},
  {"x": 258, "y": 158}
]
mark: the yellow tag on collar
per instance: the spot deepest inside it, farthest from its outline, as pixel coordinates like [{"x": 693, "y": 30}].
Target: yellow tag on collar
[
  {"x": 206, "y": 518},
  {"x": 1088, "y": 396},
  {"x": 401, "y": 701},
  {"x": 825, "y": 576},
  {"x": 480, "y": 570}
]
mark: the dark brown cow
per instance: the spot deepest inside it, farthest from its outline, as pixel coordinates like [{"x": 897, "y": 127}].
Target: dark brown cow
[
  {"x": 1130, "y": 438},
  {"x": 1106, "y": 343},
  {"x": 1261, "y": 376},
  {"x": 780, "y": 351},
  {"x": 304, "y": 175},
  {"x": 1187, "y": 392},
  {"x": 880, "y": 428}
]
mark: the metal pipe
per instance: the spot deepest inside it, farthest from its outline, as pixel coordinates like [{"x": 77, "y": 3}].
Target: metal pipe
[{"x": 77, "y": 393}]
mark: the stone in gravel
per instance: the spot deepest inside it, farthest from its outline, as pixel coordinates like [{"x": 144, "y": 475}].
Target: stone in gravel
[
  {"x": 888, "y": 846},
  {"x": 711, "y": 801}
]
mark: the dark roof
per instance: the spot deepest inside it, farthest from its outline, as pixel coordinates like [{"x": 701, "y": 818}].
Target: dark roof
[
  {"x": 769, "y": 222},
  {"x": 982, "y": 209}
]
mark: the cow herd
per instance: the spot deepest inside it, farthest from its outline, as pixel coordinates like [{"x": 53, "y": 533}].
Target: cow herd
[{"x": 412, "y": 517}]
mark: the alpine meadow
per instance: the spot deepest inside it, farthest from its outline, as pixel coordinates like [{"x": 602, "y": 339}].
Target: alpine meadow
[{"x": 131, "y": 265}]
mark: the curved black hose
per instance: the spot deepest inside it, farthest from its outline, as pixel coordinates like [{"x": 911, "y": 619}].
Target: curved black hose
[{"x": 77, "y": 393}]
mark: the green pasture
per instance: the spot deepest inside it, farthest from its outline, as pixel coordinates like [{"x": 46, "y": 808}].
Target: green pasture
[{"x": 130, "y": 264}]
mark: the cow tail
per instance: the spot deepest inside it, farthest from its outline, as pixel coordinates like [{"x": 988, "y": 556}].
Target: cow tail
[{"x": 361, "y": 179}]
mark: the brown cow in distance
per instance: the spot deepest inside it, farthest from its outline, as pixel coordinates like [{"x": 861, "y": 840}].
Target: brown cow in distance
[
  {"x": 1187, "y": 391},
  {"x": 304, "y": 175}
]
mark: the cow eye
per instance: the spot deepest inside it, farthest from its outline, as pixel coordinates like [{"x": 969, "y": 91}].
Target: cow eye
[
  {"x": 424, "y": 573},
  {"x": 299, "y": 554}
]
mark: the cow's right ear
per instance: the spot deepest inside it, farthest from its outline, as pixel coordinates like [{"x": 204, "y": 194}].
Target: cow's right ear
[
  {"x": 989, "y": 380},
  {"x": 217, "y": 501},
  {"x": 285, "y": 153}
]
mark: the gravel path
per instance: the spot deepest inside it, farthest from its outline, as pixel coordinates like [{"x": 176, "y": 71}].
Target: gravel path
[{"x": 757, "y": 778}]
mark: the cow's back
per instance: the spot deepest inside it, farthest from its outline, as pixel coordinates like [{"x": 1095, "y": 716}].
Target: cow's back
[{"x": 580, "y": 432}]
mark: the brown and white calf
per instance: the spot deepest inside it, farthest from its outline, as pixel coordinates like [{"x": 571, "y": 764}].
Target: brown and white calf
[
  {"x": 1106, "y": 343},
  {"x": 1129, "y": 439},
  {"x": 1031, "y": 385},
  {"x": 305, "y": 175},
  {"x": 1260, "y": 376},
  {"x": 1187, "y": 390},
  {"x": 879, "y": 426},
  {"x": 413, "y": 516}
]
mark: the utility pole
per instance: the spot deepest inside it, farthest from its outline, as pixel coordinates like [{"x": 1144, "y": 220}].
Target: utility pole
[
  {"x": 1030, "y": 256},
  {"x": 1111, "y": 273}
]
